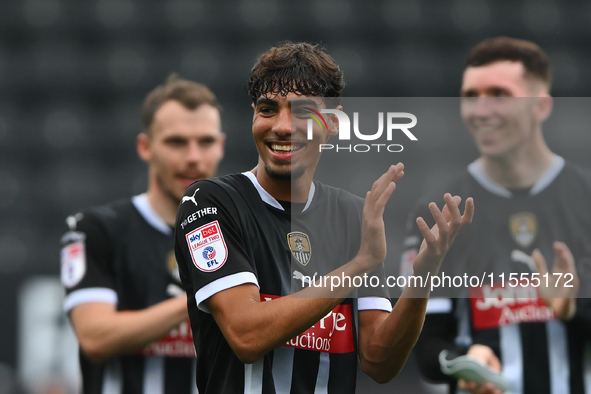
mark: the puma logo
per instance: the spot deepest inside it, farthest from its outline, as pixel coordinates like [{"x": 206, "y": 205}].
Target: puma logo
[{"x": 192, "y": 198}]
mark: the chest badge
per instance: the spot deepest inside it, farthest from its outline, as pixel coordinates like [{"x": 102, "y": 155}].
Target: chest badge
[
  {"x": 523, "y": 227},
  {"x": 299, "y": 244}
]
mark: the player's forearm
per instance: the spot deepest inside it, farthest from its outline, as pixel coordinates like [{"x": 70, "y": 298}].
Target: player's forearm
[
  {"x": 386, "y": 340},
  {"x": 253, "y": 328},
  {"x": 104, "y": 332},
  {"x": 256, "y": 328}
]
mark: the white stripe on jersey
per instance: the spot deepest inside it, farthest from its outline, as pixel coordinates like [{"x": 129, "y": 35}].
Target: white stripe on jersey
[
  {"x": 512, "y": 357},
  {"x": 587, "y": 366},
  {"x": 374, "y": 303},
  {"x": 112, "y": 378},
  {"x": 253, "y": 377},
  {"x": 323, "y": 372},
  {"x": 283, "y": 368},
  {"x": 91, "y": 294},
  {"x": 558, "y": 357},
  {"x": 194, "y": 378},
  {"x": 154, "y": 375},
  {"x": 464, "y": 337},
  {"x": 439, "y": 305},
  {"x": 221, "y": 284}
]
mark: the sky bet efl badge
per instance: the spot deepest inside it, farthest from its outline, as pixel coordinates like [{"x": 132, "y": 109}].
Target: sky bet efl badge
[
  {"x": 207, "y": 246},
  {"x": 299, "y": 244}
]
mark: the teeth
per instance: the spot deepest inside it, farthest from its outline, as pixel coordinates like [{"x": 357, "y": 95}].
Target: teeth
[
  {"x": 486, "y": 129},
  {"x": 285, "y": 148}
]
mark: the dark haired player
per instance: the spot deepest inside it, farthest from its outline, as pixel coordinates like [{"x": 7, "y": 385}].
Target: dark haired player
[
  {"x": 118, "y": 267},
  {"x": 530, "y": 199},
  {"x": 236, "y": 249}
]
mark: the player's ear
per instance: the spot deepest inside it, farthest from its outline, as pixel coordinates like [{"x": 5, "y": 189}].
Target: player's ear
[
  {"x": 222, "y": 144},
  {"x": 143, "y": 147},
  {"x": 333, "y": 125},
  {"x": 544, "y": 107}
]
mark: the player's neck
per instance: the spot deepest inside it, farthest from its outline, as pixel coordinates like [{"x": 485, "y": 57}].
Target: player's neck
[
  {"x": 284, "y": 190},
  {"x": 164, "y": 205},
  {"x": 519, "y": 169}
]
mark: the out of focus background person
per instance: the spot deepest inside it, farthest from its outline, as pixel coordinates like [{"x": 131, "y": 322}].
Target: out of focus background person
[
  {"x": 123, "y": 291},
  {"x": 532, "y": 202},
  {"x": 73, "y": 74}
]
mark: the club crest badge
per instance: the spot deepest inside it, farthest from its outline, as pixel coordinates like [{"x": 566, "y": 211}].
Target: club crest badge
[
  {"x": 299, "y": 244},
  {"x": 523, "y": 227},
  {"x": 208, "y": 247}
]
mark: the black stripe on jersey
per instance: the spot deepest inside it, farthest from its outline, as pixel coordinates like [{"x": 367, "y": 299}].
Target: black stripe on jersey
[
  {"x": 93, "y": 375},
  {"x": 341, "y": 365},
  {"x": 305, "y": 371},
  {"x": 175, "y": 368},
  {"x": 536, "y": 368},
  {"x": 575, "y": 351},
  {"x": 131, "y": 368}
]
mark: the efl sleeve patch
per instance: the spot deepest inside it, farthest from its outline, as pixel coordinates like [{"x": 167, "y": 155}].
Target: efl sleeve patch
[
  {"x": 207, "y": 246},
  {"x": 73, "y": 263}
]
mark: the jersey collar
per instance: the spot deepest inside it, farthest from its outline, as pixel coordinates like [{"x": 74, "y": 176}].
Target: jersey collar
[
  {"x": 269, "y": 199},
  {"x": 141, "y": 203},
  {"x": 475, "y": 169}
]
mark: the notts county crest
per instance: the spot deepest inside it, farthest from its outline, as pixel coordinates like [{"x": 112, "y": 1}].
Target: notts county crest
[
  {"x": 299, "y": 244},
  {"x": 524, "y": 228}
]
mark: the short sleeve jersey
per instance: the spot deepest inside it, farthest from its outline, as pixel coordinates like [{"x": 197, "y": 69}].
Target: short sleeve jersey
[
  {"x": 122, "y": 254},
  {"x": 538, "y": 352},
  {"x": 229, "y": 232}
]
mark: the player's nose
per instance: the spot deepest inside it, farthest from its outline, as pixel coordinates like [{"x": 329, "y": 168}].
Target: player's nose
[
  {"x": 194, "y": 152},
  {"x": 282, "y": 123}
]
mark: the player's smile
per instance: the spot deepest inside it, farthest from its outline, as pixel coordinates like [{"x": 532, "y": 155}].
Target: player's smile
[
  {"x": 279, "y": 130},
  {"x": 284, "y": 150},
  {"x": 487, "y": 131},
  {"x": 497, "y": 107}
]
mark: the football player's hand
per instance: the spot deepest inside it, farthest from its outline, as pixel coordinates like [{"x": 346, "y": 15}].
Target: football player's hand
[
  {"x": 373, "y": 235},
  {"x": 439, "y": 238},
  {"x": 473, "y": 387},
  {"x": 562, "y": 288},
  {"x": 486, "y": 356}
]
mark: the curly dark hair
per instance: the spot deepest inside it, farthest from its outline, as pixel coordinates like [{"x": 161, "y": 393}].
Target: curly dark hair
[{"x": 301, "y": 68}]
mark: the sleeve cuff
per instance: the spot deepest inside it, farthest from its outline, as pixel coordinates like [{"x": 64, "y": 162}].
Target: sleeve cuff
[
  {"x": 372, "y": 303},
  {"x": 91, "y": 294},
  {"x": 221, "y": 284}
]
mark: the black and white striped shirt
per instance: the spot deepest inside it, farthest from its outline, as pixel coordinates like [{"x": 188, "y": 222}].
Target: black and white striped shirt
[{"x": 237, "y": 233}]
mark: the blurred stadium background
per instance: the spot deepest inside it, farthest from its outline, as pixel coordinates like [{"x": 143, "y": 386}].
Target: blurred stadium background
[{"x": 73, "y": 74}]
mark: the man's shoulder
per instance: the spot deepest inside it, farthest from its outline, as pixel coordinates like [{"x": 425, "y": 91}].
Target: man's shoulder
[
  {"x": 578, "y": 175},
  {"x": 115, "y": 211},
  {"x": 226, "y": 182},
  {"x": 220, "y": 190},
  {"x": 573, "y": 188},
  {"x": 338, "y": 195}
]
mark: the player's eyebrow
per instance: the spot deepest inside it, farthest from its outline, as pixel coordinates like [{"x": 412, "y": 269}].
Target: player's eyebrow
[
  {"x": 467, "y": 92},
  {"x": 306, "y": 102},
  {"x": 267, "y": 101}
]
